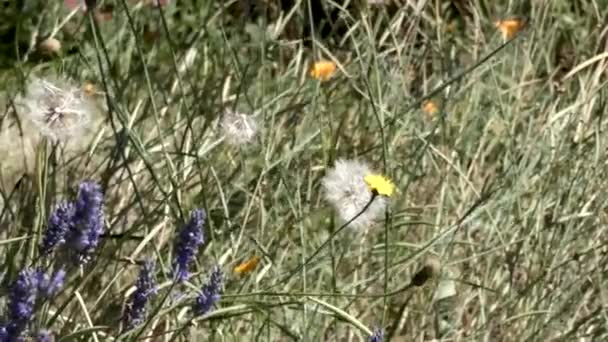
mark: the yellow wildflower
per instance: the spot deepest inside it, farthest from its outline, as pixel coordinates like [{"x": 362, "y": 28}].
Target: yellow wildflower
[
  {"x": 247, "y": 266},
  {"x": 510, "y": 27},
  {"x": 323, "y": 70},
  {"x": 380, "y": 184}
]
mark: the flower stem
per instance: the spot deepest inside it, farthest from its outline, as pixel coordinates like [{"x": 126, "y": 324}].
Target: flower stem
[{"x": 326, "y": 242}]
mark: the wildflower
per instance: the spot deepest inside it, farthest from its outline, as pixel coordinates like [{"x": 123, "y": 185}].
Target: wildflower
[
  {"x": 187, "y": 243},
  {"x": 49, "y": 286},
  {"x": 377, "y": 336},
  {"x": 29, "y": 286},
  {"x": 210, "y": 293},
  {"x": 510, "y": 27},
  {"x": 88, "y": 225},
  {"x": 247, "y": 266},
  {"x": 323, "y": 70},
  {"x": 238, "y": 128},
  {"x": 135, "y": 310},
  {"x": 58, "y": 109},
  {"x": 380, "y": 185},
  {"x": 21, "y": 301},
  {"x": 346, "y": 189},
  {"x": 60, "y": 222},
  {"x": 430, "y": 107}
]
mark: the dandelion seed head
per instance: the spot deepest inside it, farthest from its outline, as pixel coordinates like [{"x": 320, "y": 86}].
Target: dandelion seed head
[
  {"x": 58, "y": 109},
  {"x": 187, "y": 243},
  {"x": 210, "y": 293},
  {"x": 238, "y": 129},
  {"x": 346, "y": 190}
]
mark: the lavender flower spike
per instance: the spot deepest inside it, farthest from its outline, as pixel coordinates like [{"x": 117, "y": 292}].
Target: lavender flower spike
[
  {"x": 60, "y": 222},
  {"x": 88, "y": 221},
  {"x": 210, "y": 293},
  {"x": 135, "y": 310},
  {"x": 21, "y": 301},
  {"x": 188, "y": 241},
  {"x": 49, "y": 286},
  {"x": 377, "y": 336}
]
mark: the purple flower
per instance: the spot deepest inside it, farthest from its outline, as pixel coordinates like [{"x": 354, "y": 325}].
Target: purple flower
[
  {"x": 377, "y": 336},
  {"x": 187, "y": 243},
  {"x": 135, "y": 310},
  {"x": 88, "y": 225},
  {"x": 210, "y": 293},
  {"x": 49, "y": 286},
  {"x": 24, "y": 292},
  {"x": 60, "y": 222},
  {"x": 21, "y": 301}
]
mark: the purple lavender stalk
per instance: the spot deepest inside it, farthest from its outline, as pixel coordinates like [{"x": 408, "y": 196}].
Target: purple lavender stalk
[
  {"x": 135, "y": 310},
  {"x": 88, "y": 225},
  {"x": 60, "y": 223},
  {"x": 210, "y": 293},
  {"x": 187, "y": 243}
]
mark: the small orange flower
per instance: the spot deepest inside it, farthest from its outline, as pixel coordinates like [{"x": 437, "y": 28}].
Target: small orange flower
[
  {"x": 247, "y": 266},
  {"x": 323, "y": 70},
  {"x": 510, "y": 27},
  {"x": 430, "y": 108}
]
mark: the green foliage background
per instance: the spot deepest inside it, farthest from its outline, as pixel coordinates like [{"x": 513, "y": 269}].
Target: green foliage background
[{"x": 505, "y": 185}]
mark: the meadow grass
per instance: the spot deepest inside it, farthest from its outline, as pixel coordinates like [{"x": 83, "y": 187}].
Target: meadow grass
[{"x": 502, "y": 184}]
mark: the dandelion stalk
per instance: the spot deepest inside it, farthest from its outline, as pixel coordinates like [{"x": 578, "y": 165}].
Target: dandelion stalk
[{"x": 328, "y": 240}]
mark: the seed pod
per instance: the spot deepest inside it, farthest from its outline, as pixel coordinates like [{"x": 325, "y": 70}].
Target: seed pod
[
  {"x": 430, "y": 270},
  {"x": 49, "y": 46}
]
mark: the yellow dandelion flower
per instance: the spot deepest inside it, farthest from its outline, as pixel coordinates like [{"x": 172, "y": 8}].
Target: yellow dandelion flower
[
  {"x": 323, "y": 70},
  {"x": 380, "y": 184},
  {"x": 510, "y": 27},
  {"x": 247, "y": 266},
  {"x": 430, "y": 107}
]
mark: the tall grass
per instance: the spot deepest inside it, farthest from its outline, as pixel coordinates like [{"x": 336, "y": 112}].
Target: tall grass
[{"x": 504, "y": 184}]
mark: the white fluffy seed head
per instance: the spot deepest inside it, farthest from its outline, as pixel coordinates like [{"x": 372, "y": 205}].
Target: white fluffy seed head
[
  {"x": 239, "y": 129},
  {"x": 346, "y": 190},
  {"x": 59, "y": 109}
]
